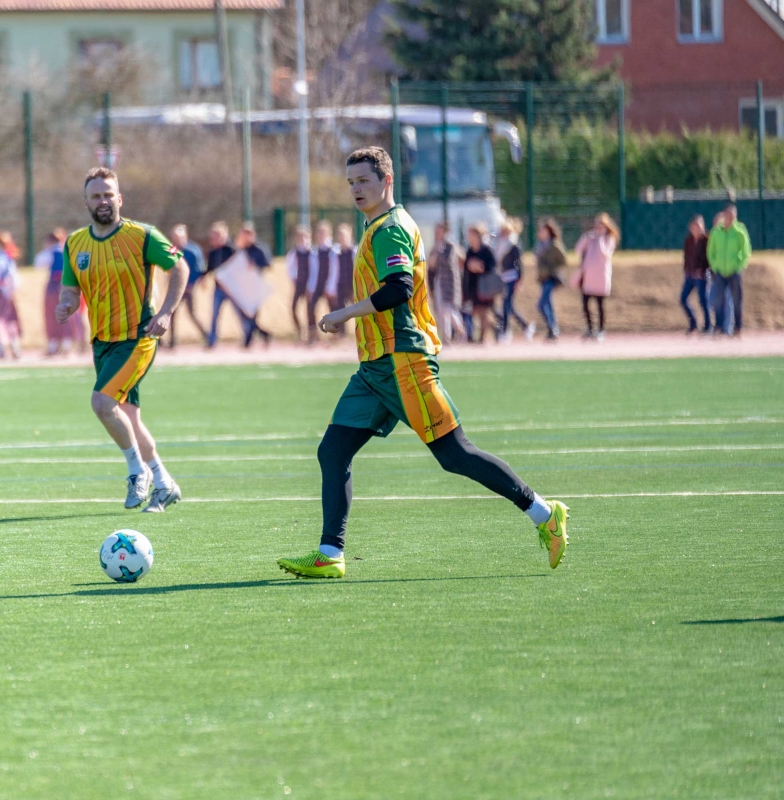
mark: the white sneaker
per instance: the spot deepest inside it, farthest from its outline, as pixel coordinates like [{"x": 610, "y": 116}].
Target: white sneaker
[
  {"x": 162, "y": 498},
  {"x": 530, "y": 331},
  {"x": 138, "y": 488}
]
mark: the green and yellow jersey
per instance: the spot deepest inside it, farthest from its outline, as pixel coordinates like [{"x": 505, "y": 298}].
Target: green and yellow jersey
[
  {"x": 116, "y": 274},
  {"x": 392, "y": 243}
]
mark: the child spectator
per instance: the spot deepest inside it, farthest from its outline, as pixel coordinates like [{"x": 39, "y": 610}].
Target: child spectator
[
  {"x": 347, "y": 251},
  {"x": 550, "y": 263},
  {"x": 323, "y": 278},
  {"x": 509, "y": 258},
  {"x": 479, "y": 260},
  {"x": 444, "y": 270},
  {"x": 696, "y": 271},
  {"x": 594, "y": 278},
  {"x": 301, "y": 262},
  {"x": 10, "y": 330}
]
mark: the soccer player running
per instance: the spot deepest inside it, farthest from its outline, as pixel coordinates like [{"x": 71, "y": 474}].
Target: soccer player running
[
  {"x": 111, "y": 262},
  {"x": 398, "y": 376}
]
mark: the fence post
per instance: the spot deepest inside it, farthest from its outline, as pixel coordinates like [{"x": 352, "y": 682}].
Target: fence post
[
  {"x": 247, "y": 186},
  {"x": 529, "y": 133},
  {"x": 761, "y": 163},
  {"x": 279, "y": 226},
  {"x": 106, "y": 128},
  {"x": 444, "y": 183},
  {"x": 27, "y": 111},
  {"x": 622, "y": 156},
  {"x": 396, "y": 156}
]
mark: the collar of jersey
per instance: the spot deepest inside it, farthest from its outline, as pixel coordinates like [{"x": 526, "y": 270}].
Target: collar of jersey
[
  {"x": 389, "y": 211},
  {"x": 104, "y": 238}
]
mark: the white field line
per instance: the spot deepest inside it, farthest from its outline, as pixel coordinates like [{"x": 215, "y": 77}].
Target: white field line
[
  {"x": 699, "y": 448},
  {"x": 401, "y": 498},
  {"x": 500, "y": 428}
]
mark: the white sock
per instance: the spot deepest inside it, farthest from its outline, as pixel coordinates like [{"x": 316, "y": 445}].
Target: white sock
[
  {"x": 540, "y": 511},
  {"x": 160, "y": 476},
  {"x": 134, "y": 459},
  {"x": 330, "y": 551}
]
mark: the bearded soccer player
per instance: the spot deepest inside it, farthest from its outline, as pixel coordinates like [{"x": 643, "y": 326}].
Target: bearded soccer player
[
  {"x": 112, "y": 263},
  {"x": 398, "y": 376}
]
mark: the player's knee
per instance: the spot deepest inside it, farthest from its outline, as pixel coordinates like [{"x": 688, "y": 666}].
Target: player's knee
[{"x": 103, "y": 406}]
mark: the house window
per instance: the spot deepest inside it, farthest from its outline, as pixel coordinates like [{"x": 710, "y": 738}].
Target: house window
[
  {"x": 773, "y": 116},
  {"x": 612, "y": 21},
  {"x": 99, "y": 52},
  {"x": 199, "y": 64},
  {"x": 700, "y": 20}
]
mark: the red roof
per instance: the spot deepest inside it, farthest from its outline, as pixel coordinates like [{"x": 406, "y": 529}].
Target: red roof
[{"x": 136, "y": 5}]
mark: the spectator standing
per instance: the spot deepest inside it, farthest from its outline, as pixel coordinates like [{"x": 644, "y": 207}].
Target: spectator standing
[
  {"x": 509, "y": 258},
  {"x": 9, "y": 245},
  {"x": 696, "y": 271},
  {"x": 550, "y": 263},
  {"x": 479, "y": 260},
  {"x": 300, "y": 262},
  {"x": 10, "y": 330},
  {"x": 221, "y": 250},
  {"x": 323, "y": 278},
  {"x": 60, "y": 337},
  {"x": 729, "y": 250},
  {"x": 194, "y": 257},
  {"x": 342, "y": 285},
  {"x": 446, "y": 290},
  {"x": 594, "y": 278},
  {"x": 259, "y": 257}
]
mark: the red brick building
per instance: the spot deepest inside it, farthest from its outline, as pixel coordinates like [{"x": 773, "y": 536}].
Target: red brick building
[{"x": 695, "y": 63}]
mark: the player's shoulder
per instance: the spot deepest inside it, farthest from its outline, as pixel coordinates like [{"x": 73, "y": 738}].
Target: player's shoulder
[
  {"x": 77, "y": 236},
  {"x": 135, "y": 228},
  {"x": 398, "y": 222}
]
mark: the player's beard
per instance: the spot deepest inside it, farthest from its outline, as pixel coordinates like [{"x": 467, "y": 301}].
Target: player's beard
[{"x": 105, "y": 214}]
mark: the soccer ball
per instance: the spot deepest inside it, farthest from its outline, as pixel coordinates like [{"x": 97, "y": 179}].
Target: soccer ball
[{"x": 126, "y": 556}]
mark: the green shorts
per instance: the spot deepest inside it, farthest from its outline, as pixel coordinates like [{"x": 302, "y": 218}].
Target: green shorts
[
  {"x": 120, "y": 367},
  {"x": 400, "y": 386}
]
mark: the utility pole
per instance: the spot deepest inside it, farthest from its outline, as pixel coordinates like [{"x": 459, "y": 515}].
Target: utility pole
[
  {"x": 301, "y": 88},
  {"x": 224, "y": 56}
]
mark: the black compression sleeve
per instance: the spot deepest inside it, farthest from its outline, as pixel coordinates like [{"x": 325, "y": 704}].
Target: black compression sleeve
[{"x": 398, "y": 288}]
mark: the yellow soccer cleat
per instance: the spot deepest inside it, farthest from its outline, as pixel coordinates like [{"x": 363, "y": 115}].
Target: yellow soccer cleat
[
  {"x": 314, "y": 565},
  {"x": 552, "y": 534}
]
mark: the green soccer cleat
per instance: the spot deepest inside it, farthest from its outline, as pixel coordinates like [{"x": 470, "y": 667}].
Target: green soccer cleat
[
  {"x": 552, "y": 534},
  {"x": 314, "y": 565}
]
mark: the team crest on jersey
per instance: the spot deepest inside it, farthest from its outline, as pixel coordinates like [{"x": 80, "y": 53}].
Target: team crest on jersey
[{"x": 82, "y": 261}]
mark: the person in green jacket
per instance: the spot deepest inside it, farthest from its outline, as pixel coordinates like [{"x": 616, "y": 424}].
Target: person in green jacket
[{"x": 729, "y": 250}]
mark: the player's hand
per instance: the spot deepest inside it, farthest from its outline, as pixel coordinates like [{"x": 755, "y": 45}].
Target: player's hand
[
  {"x": 62, "y": 311},
  {"x": 158, "y": 325},
  {"x": 332, "y": 322}
]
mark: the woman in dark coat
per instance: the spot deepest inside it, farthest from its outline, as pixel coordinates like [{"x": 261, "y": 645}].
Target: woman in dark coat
[{"x": 479, "y": 259}]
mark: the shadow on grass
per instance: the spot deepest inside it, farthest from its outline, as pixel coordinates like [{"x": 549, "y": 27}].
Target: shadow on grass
[
  {"x": 56, "y": 517},
  {"x": 128, "y": 590},
  {"x": 732, "y": 621}
]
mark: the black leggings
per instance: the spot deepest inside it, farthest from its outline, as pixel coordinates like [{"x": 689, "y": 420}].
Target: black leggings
[
  {"x": 453, "y": 451},
  {"x": 587, "y": 312}
]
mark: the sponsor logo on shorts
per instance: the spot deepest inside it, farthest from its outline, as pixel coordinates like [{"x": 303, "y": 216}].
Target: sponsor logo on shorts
[
  {"x": 398, "y": 261},
  {"x": 82, "y": 261}
]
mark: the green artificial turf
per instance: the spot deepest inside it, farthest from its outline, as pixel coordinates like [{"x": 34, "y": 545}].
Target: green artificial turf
[{"x": 451, "y": 662}]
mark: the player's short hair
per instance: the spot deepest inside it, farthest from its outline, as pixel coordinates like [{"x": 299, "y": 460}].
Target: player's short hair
[
  {"x": 378, "y": 158},
  {"x": 100, "y": 172}
]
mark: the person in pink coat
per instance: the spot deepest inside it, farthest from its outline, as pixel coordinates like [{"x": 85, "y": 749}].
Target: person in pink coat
[{"x": 594, "y": 277}]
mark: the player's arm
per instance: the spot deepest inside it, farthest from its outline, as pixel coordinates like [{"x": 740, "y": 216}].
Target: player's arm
[
  {"x": 161, "y": 252},
  {"x": 69, "y": 291}
]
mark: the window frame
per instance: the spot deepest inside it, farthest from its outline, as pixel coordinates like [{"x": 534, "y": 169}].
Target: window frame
[
  {"x": 602, "y": 37},
  {"x": 717, "y": 34},
  {"x": 193, "y": 33},
  {"x": 195, "y": 87},
  {"x": 775, "y": 104}
]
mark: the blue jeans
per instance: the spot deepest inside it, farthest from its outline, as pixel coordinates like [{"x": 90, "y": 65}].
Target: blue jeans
[
  {"x": 701, "y": 286},
  {"x": 218, "y": 299},
  {"x": 728, "y": 300},
  {"x": 545, "y": 304},
  {"x": 509, "y": 309}
]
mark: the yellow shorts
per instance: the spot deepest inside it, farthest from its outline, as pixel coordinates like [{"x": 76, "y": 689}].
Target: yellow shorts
[{"x": 120, "y": 367}]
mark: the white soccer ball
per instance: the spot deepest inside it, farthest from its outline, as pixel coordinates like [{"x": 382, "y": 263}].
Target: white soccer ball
[{"x": 126, "y": 556}]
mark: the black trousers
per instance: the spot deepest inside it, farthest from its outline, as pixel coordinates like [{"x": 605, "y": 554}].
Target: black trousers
[
  {"x": 454, "y": 452},
  {"x": 587, "y": 311}
]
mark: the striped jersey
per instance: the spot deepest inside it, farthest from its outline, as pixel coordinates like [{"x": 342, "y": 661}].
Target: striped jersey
[
  {"x": 116, "y": 274},
  {"x": 392, "y": 243}
]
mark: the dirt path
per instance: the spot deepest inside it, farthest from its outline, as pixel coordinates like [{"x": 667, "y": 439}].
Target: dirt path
[{"x": 568, "y": 348}]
